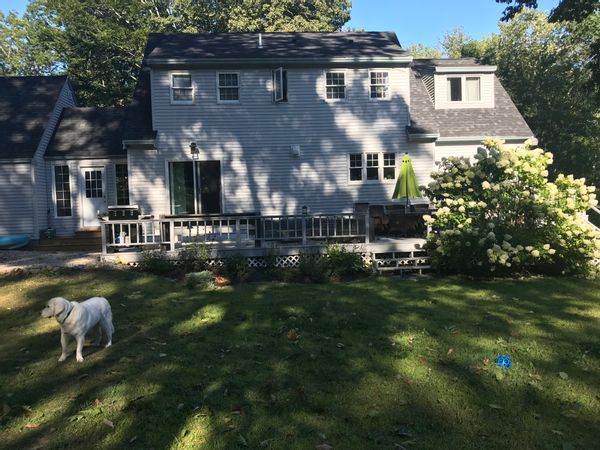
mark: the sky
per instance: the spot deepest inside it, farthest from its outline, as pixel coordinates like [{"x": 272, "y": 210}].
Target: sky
[{"x": 423, "y": 21}]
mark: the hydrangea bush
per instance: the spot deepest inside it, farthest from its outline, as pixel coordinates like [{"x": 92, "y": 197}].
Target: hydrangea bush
[{"x": 501, "y": 216}]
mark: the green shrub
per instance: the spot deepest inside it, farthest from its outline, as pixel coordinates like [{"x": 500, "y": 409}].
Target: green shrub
[
  {"x": 315, "y": 267},
  {"x": 203, "y": 280},
  {"x": 195, "y": 257},
  {"x": 236, "y": 267},
  {"x": 502, "y": 216},
  {"x": 344, "y": 263},
  {"x": 155, "y": 262}
]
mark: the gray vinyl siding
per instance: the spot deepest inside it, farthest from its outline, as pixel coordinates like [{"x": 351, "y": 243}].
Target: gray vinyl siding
[
  {"x": 42, "y": 209},
  {"x": 16, "y": 199},
  {"x": 66, "y": 226},
  {"x": 253, "y": 141}
]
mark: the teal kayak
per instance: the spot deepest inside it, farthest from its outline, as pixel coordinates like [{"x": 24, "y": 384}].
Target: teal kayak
[{"x": 14, "y": 241}]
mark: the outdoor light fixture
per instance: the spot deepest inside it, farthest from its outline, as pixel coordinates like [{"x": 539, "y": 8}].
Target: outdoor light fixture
[
  {"x": 194, "y": 150},
  {"x": 295, "y": 150},
  {"x": 304, "y": 210}
]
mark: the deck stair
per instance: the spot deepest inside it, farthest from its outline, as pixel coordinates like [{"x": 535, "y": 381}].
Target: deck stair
[
  {"x": 415, "y": 261},
  {"x": 83, "y": 240}
]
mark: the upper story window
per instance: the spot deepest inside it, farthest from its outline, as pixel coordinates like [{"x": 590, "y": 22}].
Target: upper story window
[
  {"x": 280, "y": 88},
  {"x": 464, "y": 89},
  {"x": 182, "y": 90},
  {"x": 369, "y": 167},
  {"x": 228, "y": 87},
  {"x": 379, "y": 85},
  {"x": 335, "y": 85}
]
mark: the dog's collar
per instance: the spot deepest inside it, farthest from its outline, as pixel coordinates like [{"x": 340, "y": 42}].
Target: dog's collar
[{"x": 67, "y": 316}]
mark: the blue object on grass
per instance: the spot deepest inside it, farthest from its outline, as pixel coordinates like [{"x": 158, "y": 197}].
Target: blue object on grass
[
  {"x": 14, "y": 241},
  {"x": 504, "y": 361}
]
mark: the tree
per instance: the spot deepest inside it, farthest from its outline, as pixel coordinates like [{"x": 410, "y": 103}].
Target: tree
[
  {"x": 454, "y": 41},
  {"x": 420, "y": 51},
  {"x": 99, "y": 43},
  {"x": 566, "y": 10}
]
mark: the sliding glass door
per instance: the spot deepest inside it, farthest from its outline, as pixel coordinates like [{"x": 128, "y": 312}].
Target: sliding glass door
[{"x": 195, "y": 187}]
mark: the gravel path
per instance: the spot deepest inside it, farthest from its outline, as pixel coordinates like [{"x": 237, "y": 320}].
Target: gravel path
[{"x": 15, "y": 260}]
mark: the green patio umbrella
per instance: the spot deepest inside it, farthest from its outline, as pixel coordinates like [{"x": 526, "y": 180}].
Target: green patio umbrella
[{"x": 406, "y": 185}]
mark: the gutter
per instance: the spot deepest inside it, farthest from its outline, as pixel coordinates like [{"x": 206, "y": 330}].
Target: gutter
[
  {"x": 16, "y": 160},
  {"x": 447, "y": 139}
]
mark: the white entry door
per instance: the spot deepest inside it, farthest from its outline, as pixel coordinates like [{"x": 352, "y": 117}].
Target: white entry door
[{"x": 93, "y": 195}]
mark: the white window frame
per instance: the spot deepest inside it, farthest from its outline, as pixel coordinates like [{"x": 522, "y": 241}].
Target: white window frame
[
  {"x": 384, "y": 166},
  {"x": 239, "y": 87},
  {"x": 54, "y": 197},
  {"x": 362, "y": 168},
  {"x": 325, "y": 86},
  {"x": 380, "y": 167},
  {"x": 388, "y": 85},
  {"x": 463, "y": 88},
  {"x": 277, "y": 75},
  {"x": 172, "y": 88}
]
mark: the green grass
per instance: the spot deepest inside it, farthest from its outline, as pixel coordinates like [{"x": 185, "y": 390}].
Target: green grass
[{"x": 375, "y": 363}]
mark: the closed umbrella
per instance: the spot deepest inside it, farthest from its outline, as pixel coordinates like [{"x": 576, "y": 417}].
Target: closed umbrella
[{"x": 406, "y": 185}]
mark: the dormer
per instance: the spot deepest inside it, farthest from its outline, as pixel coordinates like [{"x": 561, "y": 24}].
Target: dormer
[{"x": 462, "y": 84}]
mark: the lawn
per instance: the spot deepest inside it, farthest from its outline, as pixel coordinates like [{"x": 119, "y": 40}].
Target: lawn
[{"x": 360, "y": 365}]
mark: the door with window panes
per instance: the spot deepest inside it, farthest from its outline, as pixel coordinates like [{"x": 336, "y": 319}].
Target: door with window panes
[{"x": 93, "y": 195}]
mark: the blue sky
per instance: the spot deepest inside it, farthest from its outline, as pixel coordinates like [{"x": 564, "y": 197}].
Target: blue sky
[{"x": 423, "y": 21}]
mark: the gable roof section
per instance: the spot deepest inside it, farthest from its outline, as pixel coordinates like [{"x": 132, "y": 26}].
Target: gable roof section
[
  {"x": 26, "y": 105},
  {"x": 88, "y": 133},
  {"x": 503, "y": 120},
  {"x": 138, "y": 120},
  {"x": 165, "y": 48}
]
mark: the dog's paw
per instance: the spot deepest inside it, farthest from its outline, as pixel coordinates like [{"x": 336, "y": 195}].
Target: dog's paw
[
  {"x": 62, "y": 358},
  {"x": 79, "y": 358},
  {"x": 108, "y": 345}
]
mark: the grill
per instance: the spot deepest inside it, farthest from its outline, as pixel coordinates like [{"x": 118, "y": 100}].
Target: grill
[{"x": 125, "y": 212}]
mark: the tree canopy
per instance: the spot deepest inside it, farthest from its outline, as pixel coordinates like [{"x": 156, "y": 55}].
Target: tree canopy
[
  {"x": 99, "y": 44},
  {"x": 576, "y": 10}
]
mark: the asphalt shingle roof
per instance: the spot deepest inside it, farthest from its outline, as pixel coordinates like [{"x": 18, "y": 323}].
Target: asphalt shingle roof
[
  {"x": 274, "y": 45},
  {"x": 88, "y": 132},
  {"x": 504, "y": 119},
  {"x": 26, "y": 104},
  {"x": 138, "y": 120}
]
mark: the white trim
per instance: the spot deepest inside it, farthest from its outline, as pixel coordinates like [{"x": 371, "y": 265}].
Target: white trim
[
  {"x": 465, "y": 69},
  {"x": 181, "y": 102},
  {"x": 54, "y": 201},
  {"x": 239, "y": 87},
  {"x": 278, "y": 73},
  {"x": 335, "y": 100},
  {"x": 481, "y": 138},
  {"x": 389, "y": 86}
]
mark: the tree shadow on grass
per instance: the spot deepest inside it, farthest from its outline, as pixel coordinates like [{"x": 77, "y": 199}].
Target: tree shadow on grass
[{"x": 357, "y": 365}]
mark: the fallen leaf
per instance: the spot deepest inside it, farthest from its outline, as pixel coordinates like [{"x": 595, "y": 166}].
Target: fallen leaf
[
  {"x": 494, "y": 406},
  {"x": 450, "y": 351},
  {"x": 108, "y": 423},
  {"x": 563, "y": 375},
  {"x": 486, "y": 361},
  {"x": 32, "y": 425},
  {"x": 535, "y": 376},
  {"x": 292, "y": 335},
  {"x": 560, "y": 433},
  {"x": 98, "y": 402}
]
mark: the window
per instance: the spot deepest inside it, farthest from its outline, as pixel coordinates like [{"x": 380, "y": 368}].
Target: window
[
  {"x": 122, "y": 182},
  {"x": 473, "y": 89},
  {"x": 379, "y": 85},
  {"x": 372, "y": 166},
  {"x": 62, "y": 187},
  {"x": 228, "y": 87},
  {"x": 455, "y": 89},
  {"x": 389, "y": 166},
  {"x": 368, "y": 166},
  {"x": 181, "y": 88},
  {"x": 464, "y": 89},
  {"x": 279, "y": 85},
  {"x": 356, "y": 167},
  {"x": 335, "y": 85}
]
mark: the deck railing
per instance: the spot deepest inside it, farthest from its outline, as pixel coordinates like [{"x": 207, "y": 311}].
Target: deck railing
[{"x": 234, "y": 231}]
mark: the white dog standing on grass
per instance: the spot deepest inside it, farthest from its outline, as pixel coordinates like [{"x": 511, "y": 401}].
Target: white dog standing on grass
[{"x": 78, "y": 319}]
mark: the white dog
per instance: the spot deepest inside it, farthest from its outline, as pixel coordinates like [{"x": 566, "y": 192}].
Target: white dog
[{"x": 77, "y": 319}]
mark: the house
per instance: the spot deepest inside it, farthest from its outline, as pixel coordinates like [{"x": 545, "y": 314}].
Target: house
[
  {"x": 30, "y": 108},
  {"x": 268, "y": 124}
]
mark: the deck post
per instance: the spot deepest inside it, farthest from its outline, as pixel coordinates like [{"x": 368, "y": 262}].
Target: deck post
[
  {"x": 171, "y": 235},
  {"x": 304, "y": 239},
  {"x": 238, "y": 238},
  {"x": 367, "y": 229},
  {"x": 103, "y": 234}
]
